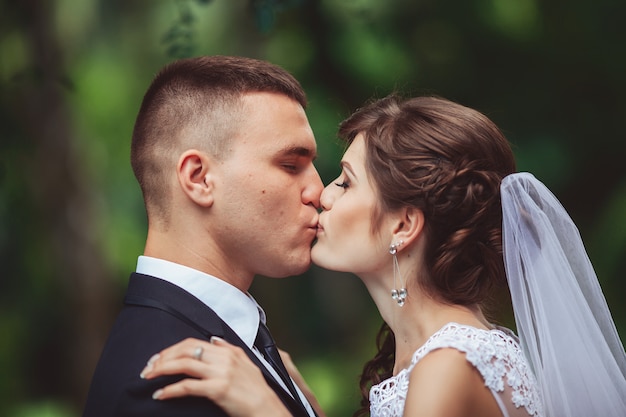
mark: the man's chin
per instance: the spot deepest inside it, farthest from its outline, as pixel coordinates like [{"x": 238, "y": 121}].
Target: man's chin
[
  {"x": 305, "y": 267},
  {"x": 293, "y": 270}
]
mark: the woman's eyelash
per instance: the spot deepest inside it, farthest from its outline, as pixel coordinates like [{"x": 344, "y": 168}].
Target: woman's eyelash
[{"x": 343, "y": 184}]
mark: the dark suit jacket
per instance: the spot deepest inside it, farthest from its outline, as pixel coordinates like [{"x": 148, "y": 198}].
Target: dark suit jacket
[{"x": 156, "y": 315}]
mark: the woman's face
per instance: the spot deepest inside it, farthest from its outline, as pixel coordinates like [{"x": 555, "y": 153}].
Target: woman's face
[{"x": 345, "y": 241}]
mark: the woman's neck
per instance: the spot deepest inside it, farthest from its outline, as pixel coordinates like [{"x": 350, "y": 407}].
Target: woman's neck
[{"x": 419, "y": 318}]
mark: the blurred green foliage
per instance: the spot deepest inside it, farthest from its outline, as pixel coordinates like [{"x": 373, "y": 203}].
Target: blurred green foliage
[{"x": 72, "y": 75}]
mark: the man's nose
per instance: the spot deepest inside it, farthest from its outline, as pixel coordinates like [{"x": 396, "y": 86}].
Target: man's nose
[{"x": 313, "y": 190}]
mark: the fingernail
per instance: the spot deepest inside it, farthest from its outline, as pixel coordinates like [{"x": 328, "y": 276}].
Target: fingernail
[
  {"x": 153, "y": 358},
  {"x": 149, "y": 365},
  {"x": 145, "y": 371},
  {"x": 157, "y": 394},
  {"x": 214, "y": 338}
]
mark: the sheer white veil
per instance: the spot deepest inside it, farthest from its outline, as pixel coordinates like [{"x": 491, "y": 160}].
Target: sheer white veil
[{"x": 562, "y": 318}]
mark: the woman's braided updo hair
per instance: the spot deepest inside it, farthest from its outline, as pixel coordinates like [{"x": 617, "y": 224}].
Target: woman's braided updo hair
[{"x": 446, "y": 160}]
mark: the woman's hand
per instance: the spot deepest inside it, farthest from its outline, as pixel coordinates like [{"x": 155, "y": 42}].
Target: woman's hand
[
  {"x": 220, "y": 372},
  {"x": 294, "y": 373}
]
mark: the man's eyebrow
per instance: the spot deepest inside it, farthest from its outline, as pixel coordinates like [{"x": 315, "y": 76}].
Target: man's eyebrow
[{"x": 299, "y": 151}]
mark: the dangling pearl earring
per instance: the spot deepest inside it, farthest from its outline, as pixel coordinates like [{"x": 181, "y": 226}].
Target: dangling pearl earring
[{"x": 397, "y": 294}]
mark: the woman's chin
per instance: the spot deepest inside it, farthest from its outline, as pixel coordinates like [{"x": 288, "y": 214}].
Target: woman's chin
[
  {"x": 325, "y": 260},
  {"x": 318, "y": 258}
]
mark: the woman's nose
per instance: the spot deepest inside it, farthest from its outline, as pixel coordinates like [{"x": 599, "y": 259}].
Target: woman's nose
[{"x": 326, "y": 199}]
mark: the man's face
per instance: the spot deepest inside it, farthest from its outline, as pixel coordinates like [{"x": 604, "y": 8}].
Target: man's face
[{"x": 268, "y": 190}]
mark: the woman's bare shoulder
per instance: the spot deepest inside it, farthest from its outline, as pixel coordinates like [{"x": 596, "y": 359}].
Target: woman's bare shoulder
[{"x": 444, "y": 383}]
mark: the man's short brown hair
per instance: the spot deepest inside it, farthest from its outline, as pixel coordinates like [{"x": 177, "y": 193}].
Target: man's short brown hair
[{"x": 196, "y": 103}]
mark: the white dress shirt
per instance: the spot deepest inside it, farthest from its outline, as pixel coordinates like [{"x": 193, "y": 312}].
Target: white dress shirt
[{"x": 239, "y": 310}]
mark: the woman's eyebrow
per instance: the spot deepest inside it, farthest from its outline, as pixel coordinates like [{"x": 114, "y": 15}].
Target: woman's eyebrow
[{"x": 345, "y": 165}]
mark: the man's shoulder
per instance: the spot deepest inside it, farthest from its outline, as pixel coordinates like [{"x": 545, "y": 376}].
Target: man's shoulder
[{"x": 117, "y": 389}]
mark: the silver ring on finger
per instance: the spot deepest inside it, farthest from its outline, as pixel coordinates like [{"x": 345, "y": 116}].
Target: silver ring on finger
[{"x": 197, "y": 354}]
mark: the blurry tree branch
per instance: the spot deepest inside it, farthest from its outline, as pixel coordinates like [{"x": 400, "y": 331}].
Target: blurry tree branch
[{"x": 55, "y": 181}]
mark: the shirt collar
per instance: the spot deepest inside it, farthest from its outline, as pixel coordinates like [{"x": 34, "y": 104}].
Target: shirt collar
[{"x": 239, "y": 310}]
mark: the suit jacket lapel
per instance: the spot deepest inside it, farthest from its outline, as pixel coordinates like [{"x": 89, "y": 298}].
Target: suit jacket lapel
[{"x": 153, "y": 292}]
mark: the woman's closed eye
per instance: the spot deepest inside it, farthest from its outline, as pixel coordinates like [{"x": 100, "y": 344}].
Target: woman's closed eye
[{"x": 342, "y": 184}]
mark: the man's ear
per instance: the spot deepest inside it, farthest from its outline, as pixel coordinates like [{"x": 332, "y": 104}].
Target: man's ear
[
  {"x": 194, "y": 176},
  {"x": 408, "y": 226}
]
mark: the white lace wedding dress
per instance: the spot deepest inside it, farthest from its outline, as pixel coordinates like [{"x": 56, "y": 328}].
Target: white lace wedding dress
[{"x": 496, "y": 354}]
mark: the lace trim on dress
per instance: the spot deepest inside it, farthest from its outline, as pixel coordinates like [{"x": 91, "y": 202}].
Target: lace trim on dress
[{"x": 495, "y": 353}]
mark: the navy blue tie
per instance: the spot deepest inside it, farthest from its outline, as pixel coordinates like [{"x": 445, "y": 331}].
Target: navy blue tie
[{"x": 266, "y": 345}]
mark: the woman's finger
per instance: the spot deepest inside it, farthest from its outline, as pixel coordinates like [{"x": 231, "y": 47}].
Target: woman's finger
[
  {"x": 189, "y": 347},
  {"x": 187, "y": 366},
  {"x": 212, "y": 389},
  {"x": 185, "y": 348}
]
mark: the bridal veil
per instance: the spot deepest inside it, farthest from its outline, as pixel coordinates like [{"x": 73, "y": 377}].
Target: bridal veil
[{"x": 562, "y": 318}]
